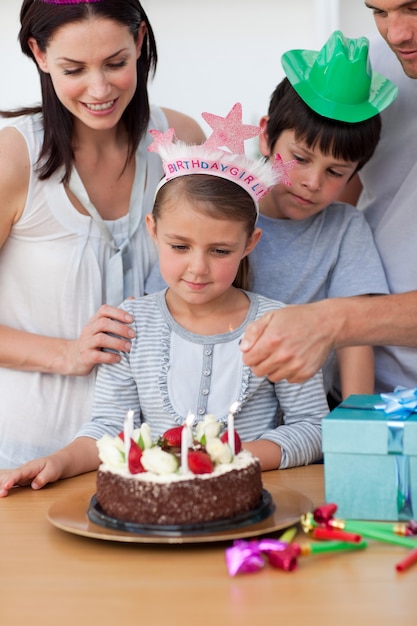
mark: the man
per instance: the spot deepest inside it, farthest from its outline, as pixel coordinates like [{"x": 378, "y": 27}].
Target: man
[{"x": 294, "y": 342}]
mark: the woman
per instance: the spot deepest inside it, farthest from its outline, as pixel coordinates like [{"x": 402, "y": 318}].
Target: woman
[{"x": 76, "y": 180}]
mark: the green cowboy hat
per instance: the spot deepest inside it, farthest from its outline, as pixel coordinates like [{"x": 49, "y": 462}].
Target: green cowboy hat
[{"x": 338, "y": 81}]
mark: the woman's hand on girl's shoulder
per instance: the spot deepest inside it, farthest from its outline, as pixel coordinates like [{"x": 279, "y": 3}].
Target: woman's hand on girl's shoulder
[
  {"x": 186, "y": 128},
  {"x": 106, "y": 334}
]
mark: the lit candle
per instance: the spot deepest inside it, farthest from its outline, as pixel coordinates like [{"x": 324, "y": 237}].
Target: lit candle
[
  {"x": 128, "y": 432},
  {"x": 231, "y": 426},
  {"x": 186, "y": 441}
]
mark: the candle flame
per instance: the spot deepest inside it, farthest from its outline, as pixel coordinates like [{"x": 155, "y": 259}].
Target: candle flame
[
  {"x": 234, "y": 407},
  {"x": 189, "y": 420}
]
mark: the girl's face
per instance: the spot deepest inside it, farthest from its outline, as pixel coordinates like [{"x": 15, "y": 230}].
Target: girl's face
[
  {"x": 316, "y": 181},
  {"x": 198, "y": 255},
  {"x": 92, "y": 65}
]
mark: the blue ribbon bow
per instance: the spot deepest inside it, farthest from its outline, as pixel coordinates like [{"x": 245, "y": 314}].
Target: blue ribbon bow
[
  {"x": 401, "y": 401},
  {"x": 400, "y": 404}
]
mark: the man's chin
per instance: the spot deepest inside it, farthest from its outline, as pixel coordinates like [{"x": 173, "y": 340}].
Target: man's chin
[
  {"x": 409, "y": 67},
  {"x": 409, "y": 70}
]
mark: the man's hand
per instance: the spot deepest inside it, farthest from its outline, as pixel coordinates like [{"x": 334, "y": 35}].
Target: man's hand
[{"x": 291, "y": 343}]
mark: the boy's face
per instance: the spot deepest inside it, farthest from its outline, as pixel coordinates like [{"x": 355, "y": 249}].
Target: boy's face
[{"x": 316, "y": 181}]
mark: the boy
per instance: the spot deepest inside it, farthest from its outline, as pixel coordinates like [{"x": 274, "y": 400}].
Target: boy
[{"x": 325, "y": 116}]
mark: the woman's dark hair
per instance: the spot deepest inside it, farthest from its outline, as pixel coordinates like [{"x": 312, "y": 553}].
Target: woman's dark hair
[
  {"x": 40, "y": 20},
  {"x": 216, "y": 197},
  {"x": 343, "y": 140}
]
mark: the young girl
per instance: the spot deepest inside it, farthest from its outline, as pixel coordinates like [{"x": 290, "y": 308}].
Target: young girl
[
  {"x": 76, "y": 182},
  {"x": 185, "y": 353}
]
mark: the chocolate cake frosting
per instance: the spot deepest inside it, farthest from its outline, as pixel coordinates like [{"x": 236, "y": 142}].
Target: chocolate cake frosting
[
  {"x": 141, "y": 499},
  {"x": 152, "y": 482}
]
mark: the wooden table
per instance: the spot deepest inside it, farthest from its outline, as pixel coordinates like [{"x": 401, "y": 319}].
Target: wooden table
[{"x": 49, "y": 576}]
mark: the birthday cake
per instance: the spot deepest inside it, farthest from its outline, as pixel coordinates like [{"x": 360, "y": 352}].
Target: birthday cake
[{"x": 155, "y": 483}]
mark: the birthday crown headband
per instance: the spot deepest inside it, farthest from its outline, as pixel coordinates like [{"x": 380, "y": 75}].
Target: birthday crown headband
[{"x": 254, "y": 176}]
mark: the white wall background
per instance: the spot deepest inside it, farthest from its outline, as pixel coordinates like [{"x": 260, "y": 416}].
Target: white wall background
[{"x": 212, "y": 53}]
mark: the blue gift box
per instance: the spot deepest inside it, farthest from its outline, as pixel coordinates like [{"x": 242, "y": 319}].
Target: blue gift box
[{"x": 370, "y": 461}]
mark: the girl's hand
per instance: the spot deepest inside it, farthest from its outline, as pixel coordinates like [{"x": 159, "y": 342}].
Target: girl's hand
[
  {"x": 268, "y": 453},
  {"x": 107, "y": 330},
  {"x": 35, "y": 473}
]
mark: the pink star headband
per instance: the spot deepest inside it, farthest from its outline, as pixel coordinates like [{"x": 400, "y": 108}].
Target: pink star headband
[
  {"x": 255, "y": 176},
  {"x": 69, "y": 1}
]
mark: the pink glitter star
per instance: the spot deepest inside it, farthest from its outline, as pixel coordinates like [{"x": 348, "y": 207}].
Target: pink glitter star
[
  {"x": 161, "y": 139},
  {"x": 282, "y": 169},
  {"x": 229, "y": 131}
]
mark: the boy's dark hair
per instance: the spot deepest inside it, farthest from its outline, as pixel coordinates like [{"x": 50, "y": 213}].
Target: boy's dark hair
[
  {"x": 40, "y": 21},
  {"x": 347, "y": 141}
]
